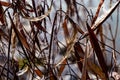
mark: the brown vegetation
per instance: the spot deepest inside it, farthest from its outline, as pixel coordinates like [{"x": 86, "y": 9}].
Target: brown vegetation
[{"x": 48, "y": 41}]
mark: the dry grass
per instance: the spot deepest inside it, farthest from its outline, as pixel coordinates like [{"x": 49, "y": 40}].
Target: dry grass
[{"x": 60, "y": 42}]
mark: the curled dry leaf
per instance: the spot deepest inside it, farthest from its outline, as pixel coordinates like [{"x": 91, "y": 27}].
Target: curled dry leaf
[
  {"x": 22, "y": 72},
  {"x": 39, "y": 18}
]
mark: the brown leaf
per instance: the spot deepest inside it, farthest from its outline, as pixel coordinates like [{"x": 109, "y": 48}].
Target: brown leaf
[
  {"x": 39, "y": 26},
  {"x": 22, "y": 38},
  {"x": 52, "y": 75},
  {"x": 98, "y": 10},
  {"x": 79, "y": 54},
  {"x": 39, "y": 73},
  {"x": 100, "y": 32},
  {"x": 2, "y": 16},
  {"x": 13, "y": 42},
  {"x": 84, "y": 69},
  {"x": 19, "y": 35},
  {"x": 3, "y": 3},
  {"x": 78, "y": 49},
  {"x": 98, "y": 50},
  {"x": 105, "y": 16},
  {"x": 66, "y": 32},
  {"x": 61, "y": 68},
  {"x": 95, "y": 69}
]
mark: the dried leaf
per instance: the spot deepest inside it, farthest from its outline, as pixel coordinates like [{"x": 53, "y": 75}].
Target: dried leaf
[
  {"x": 100, "y": 32},
  {"x": 98, "y": 10},
  {"x": 79, "y": 50},
  {"x": 61, "y": 68},
  {"x": 79, "y": 54},
  {"x": 22, "y": 72},
  {"x": 22, "y": 29},
  {"x": 95, "y": 69},
  {"x": 71, "y": 43},
  {"x": 52, "y": 75},
  {"x": 39, "y": 73},
  {"x": 98, "y": 50},
  {"x": 39, "y": 26},
  {"x": 13, "y": 42},
  {"x": 84, "y": 69},
  {"x": 19, "y": 35},
  {"x": 69, "y": 47},
  {"x": 102, "y": 19},
  {"x": 3, "y": 3},
  {"x": 66, "y": 32},
  {"x": 2, "y": 16},
  {"x": 23, "y": 40}
]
